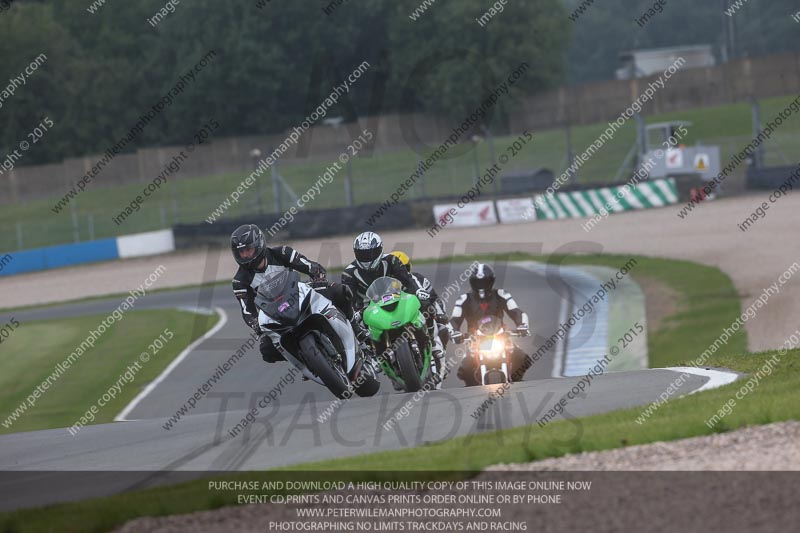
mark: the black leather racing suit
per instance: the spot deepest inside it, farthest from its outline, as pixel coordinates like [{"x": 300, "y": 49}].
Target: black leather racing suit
[
  {"x": 472, "y": 309},
  {"x": 359, "y": 280}
]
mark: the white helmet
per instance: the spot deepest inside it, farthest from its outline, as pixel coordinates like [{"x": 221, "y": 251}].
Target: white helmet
[{"x": 368, "y": 249}]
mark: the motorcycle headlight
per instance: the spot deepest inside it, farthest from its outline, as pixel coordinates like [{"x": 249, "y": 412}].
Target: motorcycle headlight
[
  {"x": 498, "y": 347},
  {"x": 494, "y": 350}
]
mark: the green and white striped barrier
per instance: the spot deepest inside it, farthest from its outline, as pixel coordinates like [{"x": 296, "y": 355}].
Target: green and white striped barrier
[{"x": 607, "y": 200}]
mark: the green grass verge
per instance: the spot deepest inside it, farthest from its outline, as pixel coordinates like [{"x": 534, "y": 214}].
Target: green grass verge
[
  {"x": 708, "y": 304},
  {"x": 374, "y": 178},
  {"x": 33, "y": 350}
]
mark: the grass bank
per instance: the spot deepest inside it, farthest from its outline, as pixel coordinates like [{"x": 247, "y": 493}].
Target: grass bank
[{"x": 33, "y": 351}]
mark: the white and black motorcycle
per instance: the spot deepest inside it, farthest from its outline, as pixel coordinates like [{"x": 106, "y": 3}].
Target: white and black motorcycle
[{"x": 313, "y": 335}]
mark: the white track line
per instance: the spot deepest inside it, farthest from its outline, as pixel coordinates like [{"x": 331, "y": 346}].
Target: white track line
[
  {"x": 716, "y": 378},
  {"x": 563, "y": 310},
  {"x": 560, "y": 351},
  {"x": 223, "y": 319}
]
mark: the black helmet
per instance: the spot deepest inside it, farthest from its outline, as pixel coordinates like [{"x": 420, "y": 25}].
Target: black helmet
[
  {"x": 249, "y": 246},
  {"x": 368, "y": 249},
  {"x": 482, "y": 280}
]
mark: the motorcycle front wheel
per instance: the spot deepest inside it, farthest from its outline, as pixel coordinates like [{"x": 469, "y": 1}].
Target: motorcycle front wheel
[
  {"x": 408, "y": 367},
  {"x": 495, "y": 377},
  {"x": 367, "y": 383},
  {"x": 331, "y": 374}
]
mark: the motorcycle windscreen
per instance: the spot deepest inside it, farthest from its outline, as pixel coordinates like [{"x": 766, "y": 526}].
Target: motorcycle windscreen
[
  {"x": 384, "y": 289},
  {"x": 279, "y": 296}
]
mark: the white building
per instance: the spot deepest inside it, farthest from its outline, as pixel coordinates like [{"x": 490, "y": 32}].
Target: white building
[{"x": 640, "y": 63}]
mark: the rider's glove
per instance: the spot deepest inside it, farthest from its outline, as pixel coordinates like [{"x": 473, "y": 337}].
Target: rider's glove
[
  {"x": 442, "y": 318},
  {"x": 253, "y": 323},
  {"x": 523, "y": 330},
  {"x": 317, "y": 271},
  {"x": 422, "y": 294},
  {"x": 457, "y": 337}
]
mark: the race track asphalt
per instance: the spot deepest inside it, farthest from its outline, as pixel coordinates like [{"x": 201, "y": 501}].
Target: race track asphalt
[{"x": 288, "y": 430}]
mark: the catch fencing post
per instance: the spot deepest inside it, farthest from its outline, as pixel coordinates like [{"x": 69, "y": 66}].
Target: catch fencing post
[
  {"x": 348, "y": 183},
  {"x": 19, "y": 236},
  {"x": 421, "y": 182},
  {"x": 174, "y": 196},
  {"x": 175, "y": 212},
  {"x": 758, "y": 154},
  {"x": 276, "y": 187},
  {"x": 570, "y": 153},
  {"x": 490, "y": 140},
  {"x": 255, "y": 156},
  {"x": 75, "y": 229},
  {"x": 476, "y": 177}
]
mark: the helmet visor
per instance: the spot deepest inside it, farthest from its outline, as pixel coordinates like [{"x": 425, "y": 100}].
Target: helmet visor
[
  {"x": 368, "y": 259},
  {"x": 481, "y": 284},
  {"x": 246, "y": 253}
]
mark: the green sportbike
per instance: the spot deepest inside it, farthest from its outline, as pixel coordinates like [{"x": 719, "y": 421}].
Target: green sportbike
[{"x": 399, "y": 333}]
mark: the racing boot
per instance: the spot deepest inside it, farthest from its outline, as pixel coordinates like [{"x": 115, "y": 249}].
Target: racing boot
[
  {"x": 438, "y": 359},
  {"x": 362, "y": 337}
]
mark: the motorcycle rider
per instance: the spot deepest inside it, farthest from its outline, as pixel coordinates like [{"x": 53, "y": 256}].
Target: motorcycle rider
[
  {"x": 256, "y": 260},
  {"x": 484, "y": 300},
  {"x": 370, "y": 264},
  {"x": 439, "y": 314}
]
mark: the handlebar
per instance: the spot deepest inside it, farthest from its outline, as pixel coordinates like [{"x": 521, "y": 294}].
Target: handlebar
[
  {"x": 461, "y": 338},
  {"x": 470, "y": 337}
]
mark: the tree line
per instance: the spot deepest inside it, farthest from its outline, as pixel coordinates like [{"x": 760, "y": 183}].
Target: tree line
[{"x": 275, "y": 62}]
